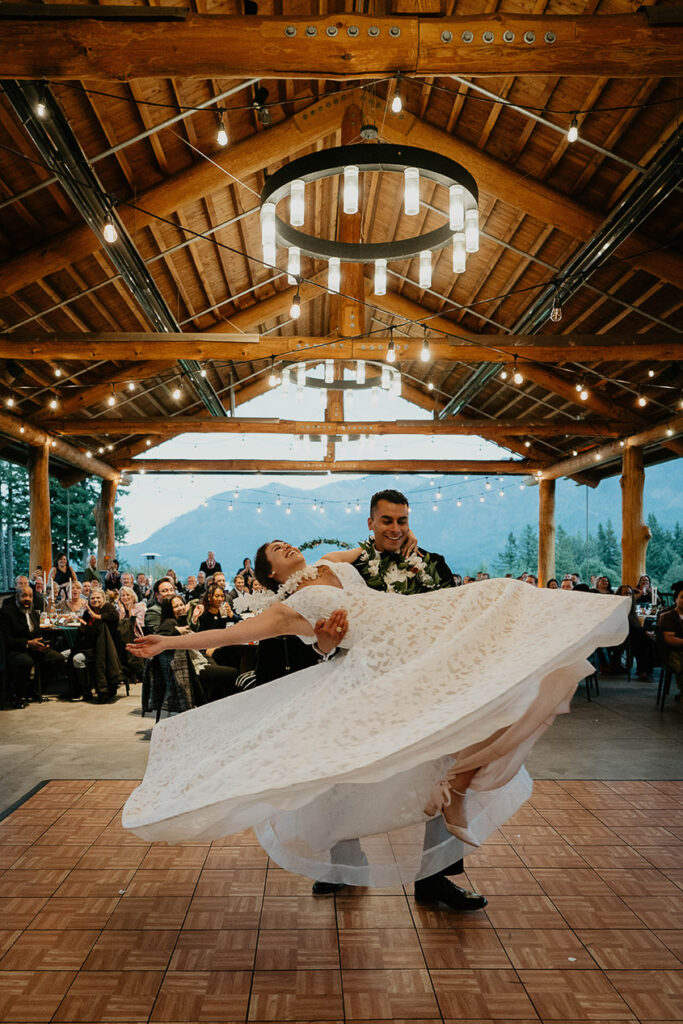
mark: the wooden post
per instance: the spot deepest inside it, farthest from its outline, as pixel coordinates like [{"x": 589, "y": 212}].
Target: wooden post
[
  {"x": 39, "y": 507},
  {"x": 635, "y": 534},
  {"x": 546, "y": 531},
  {"x": 104, "y": 518}
]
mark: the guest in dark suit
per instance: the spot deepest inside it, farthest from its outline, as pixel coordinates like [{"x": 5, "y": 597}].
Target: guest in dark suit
[
  {"x": 209, "y": 566},
  {"x": 20, "y": 629}
]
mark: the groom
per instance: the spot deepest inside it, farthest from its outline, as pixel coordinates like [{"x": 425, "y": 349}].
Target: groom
[{"x": 383, "y": 567}]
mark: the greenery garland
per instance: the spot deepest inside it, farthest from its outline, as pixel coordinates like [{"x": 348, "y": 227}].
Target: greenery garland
[{"x": 332, "y": 541}]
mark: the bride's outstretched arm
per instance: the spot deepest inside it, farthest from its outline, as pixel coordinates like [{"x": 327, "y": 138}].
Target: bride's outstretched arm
[{"x": 278, "y": 620}]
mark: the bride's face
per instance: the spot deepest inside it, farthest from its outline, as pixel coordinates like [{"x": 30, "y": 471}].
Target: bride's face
[{"x": 284, "y": 560}]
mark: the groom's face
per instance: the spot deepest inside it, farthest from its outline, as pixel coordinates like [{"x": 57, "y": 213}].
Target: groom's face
[{"x": 390, "y": 525}]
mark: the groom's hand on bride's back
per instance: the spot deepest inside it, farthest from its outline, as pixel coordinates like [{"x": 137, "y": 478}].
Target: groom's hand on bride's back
[{"x": 330, "y": 632}]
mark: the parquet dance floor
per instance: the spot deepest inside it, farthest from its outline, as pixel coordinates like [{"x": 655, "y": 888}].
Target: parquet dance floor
[{"x": 584, "y": 922}]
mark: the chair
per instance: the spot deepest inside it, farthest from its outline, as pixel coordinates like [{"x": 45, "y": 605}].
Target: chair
[
  {"x": 594, "y": 678},
  {"x": 665, "y": 670}
]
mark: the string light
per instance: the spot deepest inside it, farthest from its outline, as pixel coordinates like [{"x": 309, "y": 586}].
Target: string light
[
  {"x": 488, "y": 485},
  {"x": 516, "y": 374},
  {"x": 111, "y": 401},
  {"x": 501, "y": 494},
  {"x": 503, "y": 374},
  {"x": 58, "y": 372},
  {"x": 642, "y": 401},
  {"x": 110, "y": 447},
  {"x": 397, "y": 102},
  {"x": 430, "y": 386},
  {"x": 176, "y": 393},
  {"x": 295, "y": 308},
  {"x": 278, "y": 500},
  {"x": 288, "y": 510},
  {"x": 53, "y": 403},
  {"x": 574, "y": 452},
  {"x": 315, "y": 505},
  {"x": 482, "y": 499},
  {"x": 22, "y": 430},
  {"x": 222, "y": 133},
  {"x": 391, "y": 350},
  {"x": 650, "y": 373},
  {"x": 230, "y": 506},
  {"x": 321, "y": 510},
  {"x": 357, "y": 505},
  {"x": 10, "y": 403},
  {"x": 148, "y": 442},
  {"x": 459, "y": 503},
  {"x": 425, "y": 354},
  {"x": 348, "y": 508},
  {"x": 100, "y": 451},
  {"x": 131, "y": 385},
  {"x": 41, "y": 105},
  {"x": 258, "y": 508},
  {"x": 435, "y": 507},
  {"x": 556, "y": 311},
  {"x": 273, "y": 379},
  {"x": 109, "y": 232},
  {"x": 202, "y": 373},
  {"x": 88, "y": 453},
  {"x": 438, "y": 495},
  {"x": 573, "y": 132},
  {"x": 236, "y": 493},
  {"x": 527, "y": 444}
]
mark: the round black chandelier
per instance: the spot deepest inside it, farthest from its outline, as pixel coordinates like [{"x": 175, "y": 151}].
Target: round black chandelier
[{"x": 349, "y": 162}]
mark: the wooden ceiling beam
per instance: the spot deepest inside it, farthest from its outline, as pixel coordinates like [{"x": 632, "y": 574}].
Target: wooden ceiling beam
[
  {"x": 608, "y": 453},
  {"x": 474, "y": 467},
  {"x": 202, "y": 425},
  {"x": 27, "y": 433},
  {"x": 341, "y": 46},
  {"x": 501, "y": 180},
  {"x": 619, "y": 346},
  {"x": 201, "y": 179}
]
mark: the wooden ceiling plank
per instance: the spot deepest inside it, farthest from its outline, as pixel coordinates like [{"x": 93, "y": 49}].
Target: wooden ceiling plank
[
  {"x": 122, "y": 291},
  {"x": 488, "y": 467},
  {"x": 148, "y": 122}
]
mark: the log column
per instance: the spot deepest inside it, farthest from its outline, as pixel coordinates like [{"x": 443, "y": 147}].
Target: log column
[
  {"x": 546, "y": 531},
  {"x": 104, "y": 518},
  {"x": 635, "y": 534},
  {"x": 39, "y": 507}
]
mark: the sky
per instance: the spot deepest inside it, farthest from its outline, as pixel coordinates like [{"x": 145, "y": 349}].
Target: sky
[{"x": 151, "y": 501}]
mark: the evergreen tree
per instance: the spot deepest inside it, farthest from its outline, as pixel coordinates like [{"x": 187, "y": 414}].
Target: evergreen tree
[
  {"x": 14, "y": 522},
  {"x": 508, "y": 558},
  {"x": 528, "y": 549}
]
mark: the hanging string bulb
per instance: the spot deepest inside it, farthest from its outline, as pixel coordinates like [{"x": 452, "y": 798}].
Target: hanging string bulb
[
  {"x": 556, "y": 311},
  {"x": 397, "y": 102},
  {"x": 111, "y": 401},
  {"x": 109, "y": 232},
  {"x": 41, "y": 105},
  {"x": 295, "y": 308},
  {"x": 131, "y": 383},
  {"x": 315, "y": 505},
  {"x": 488, "y": 485},
  {"x": 288, "y": 510},
  {"x": 58, "y": 372},
  {"x": 53, "y": 403},
  {"x": 573, "y": 132},
  {"x": 273, "y": 379},
  {"x": 221, "y": 133},
  {"x": 278, "y": 500},
  {"x": 391, "y": 350},
  {"x": 425, "y": 354},
  {"x": 642, "y": 401},
  {"x": 504, "y": 374},
  {"x": 430, "y": 386},
  {"x": 357, "y": 505},
  {"x": 516, "y": 374}
]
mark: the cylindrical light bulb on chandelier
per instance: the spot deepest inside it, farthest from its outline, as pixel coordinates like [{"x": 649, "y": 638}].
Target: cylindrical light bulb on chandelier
[
  {"x": 459, "y": 254},
  {"x": 411, "y": 195},
  {"x": 297, "y": 195},
  {"x": 386, "y": 378},
  {"x": 472, "y": 230},
  {"x": 293, "y": 264},
  {"x": 268, "y": 224},
  {"x": 270, "y": 255},
  {"x": 395, "y": 388},
  {"x": 457, "y": 207},
  {"x": 350, "y": 190},
  {"x": 286, "y": 380},
  {"x": 333, "y": 274},
  {"x": 374, "y": 395},
  {"x": 425, "y": 269},
  {"x": 301, "y": 375},
  {"x": 329, "y": 371},
  {"x": 360, "y": 371},
  {"x": 380, "y": 277}
]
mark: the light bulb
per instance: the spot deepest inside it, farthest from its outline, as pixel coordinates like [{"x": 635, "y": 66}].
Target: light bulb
[
  {"x": 333, "y": 274},
  {"x": 501, "y": 494},
  {"x": 295, "y": 308},
  {"x": 148, "y": 443},
  {"x": 273, "y": 378},
  {"x": 315, "y": 505},
  {"x": 288, "y": 510},
  {"x": 435, "y": 508},
  {"x": 411, "y": 194},
  {"x": 425, "y": 354},
  {"x": 669, "y": 432},
  {"x": 583, "y": 394},
  {"x": 573, "y": 132},
  {"x": 391, "y": 353},
  {"x": 503, "y": 375},
  {"x": 297, "y": 195},
  {"x": 221, "y": 134},
  {"x": 329, "y": 371},
  {"x": 380, "y": 277},
  {"x": 556, "y": 312},
  {"x": 438, "y": 495},
  {"x": 425, "y": 269},
  {"x": 518, "y": 377},
  {"x": 176, "y": 393},
  {"x": 396, "y": 103},
  {"x": 456, "y": 195},
  {"x": 301, "y": 374},
  {"x": 650, "y": 373},
  {"x": 459, "y": 253},
  {"x": 202, "y": 373},
  {"x": 386, "y": 378},
  {"x": 360, "y": 371},
  {"x": 110, "y": 447},
  {"x": 109, "y": 232},
  {"x": 230, "y": 507},
  {"x": 258, "y": 508},
  {"x": 286, "y": 380},
  {"x": 396, "y": 384},
  {"x": 321, "y": 509},
  {"x": 268, "y": 225},
  {"x": 53, "y": 403},
  {"x": 270, "y": 255},
  {"x": 574, "y": 452},
  {"x": 100, "y": 451},
  {"x": 527, "y": 444},
  {"x": 578, "y": 386},
  {"x": 112, "y": 400},
  {"x": 348, "y": 509},
  {"x": 10, "y": 403},
  {"x": 293, "y": 264},
  {"x": 459, "y": 503},
  {"x": 350, "y": 189},
  {"x": 472, "y": 230},
  {"x": 41, "y": 107},
  {"x": 58, "y": 372},
  {"x": 642, "y": 401},
  {"x": 131, "y": 385},
  {"x": 236, "y": 493},
  {"x": 482, "y": 499},
  {"x": 357, "y": 506},
  {"x": 88, "y": 454},
  {"x": 430, "y": 386}
]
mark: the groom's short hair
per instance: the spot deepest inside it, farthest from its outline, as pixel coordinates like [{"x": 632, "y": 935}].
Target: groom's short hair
[{"x": 390, "y": 495}]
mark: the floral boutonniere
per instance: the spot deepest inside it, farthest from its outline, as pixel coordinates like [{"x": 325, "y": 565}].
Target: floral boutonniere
[{"x": 411, "y": 574}]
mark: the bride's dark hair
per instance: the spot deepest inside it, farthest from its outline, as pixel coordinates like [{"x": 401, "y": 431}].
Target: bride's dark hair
[{"x": 263, "y": 568}]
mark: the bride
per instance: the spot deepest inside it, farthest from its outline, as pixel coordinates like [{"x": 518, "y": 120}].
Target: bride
[{"x": 425, "y": 716}]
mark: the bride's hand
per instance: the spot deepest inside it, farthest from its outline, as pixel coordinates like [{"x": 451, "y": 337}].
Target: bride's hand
[
  {"x": 147, "y": 646},
  {"x": 330, "y": 632},
  {"x": 409, "y": 544}
]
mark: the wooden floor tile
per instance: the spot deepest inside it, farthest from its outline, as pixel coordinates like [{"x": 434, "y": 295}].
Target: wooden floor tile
[
  {"x": 550, "y": 855},
  {"x": 19, "y": 835},
  {"x": 374, "y": 912},
  {"x": 437, "y": 915},
  {"x": 499, "y": 856},
  {"x": 49, "y": 951},
  {"x": 638, "y": 882},
  {"x": 75, "y": 913},
  {"x": 298, "y": 949},
  {"x": 165, "y": 913},
  {"x": 58, "y": 835},
  {"x": 115, "y": 835},
  {"x": 673, "y": 940},
  {"x": 110, "y": 996},
  {"x": 382, "y": 995},
  {"x": 650, "y": 835},
  {"x": 658, "y": 911},
  {"x": 87, "y": 816},
  {"x": 523, "y": 912},
  {"x": 611, "y": 857},
  {"x": 243, "y": 882},
  {"x": 590, "y": 835},
  {"x": 19, "y": 911},
  {"x": 198, "y": 996},
  {"x": 10, "y": 854},
  {"x": 8, "y": 936},
  {"x": 282, "y": 883},
  {"x": 463, "y": 949},
  {"x": 481, "y": 994},
  {"x": 642, "y": 794},
  {"x": 109, "y": 882},
  {"x": 99, "y": 858},
  {"x": 544, "y": 949},
  {"x": 526, "y": 815},
  {"x": 503, "y": 881},
  {"x": 590, "y": 793},
  {"x": 650, "y": 994},
  {"x": 661, "y": 857},
  {"x": 596, "y": 912},
  {"x": 296, "y": 996},
  {"x": 568, "y": 817},
  {"x": 31, "y": 882},
  {"x": 571, "y": 881},
  {"x": 175, "y": 857},
  {"x": 380, "y": 949},
  {"x": 143, "y": 950},
  {"x": 32, "y": 995},
  {"x": 548, "y": 793},
  {"x": 529, "y": 835},
  {"x": 42, "y": 858},
  {"x": 232, "y": 950},
  {"x": 165, "y": 882},
  {"x": 291, "y": 912},
  {"x": 244, "y": 838},
  {"x": 624, "y": 817},
  {"x": 627, "y": 949},
  {"x": 236, "y": 857},
  {"x": 224, "y": 912},
  {"x": 574, "y": 995}
]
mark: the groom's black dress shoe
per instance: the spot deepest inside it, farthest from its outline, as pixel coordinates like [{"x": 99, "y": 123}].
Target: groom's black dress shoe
[
  {"x": 441, "y": 890},
  {"x": 327, "y": 888}
]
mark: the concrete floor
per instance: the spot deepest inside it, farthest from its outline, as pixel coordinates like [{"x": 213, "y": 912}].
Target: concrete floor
[{"x": 618, "y": 735}]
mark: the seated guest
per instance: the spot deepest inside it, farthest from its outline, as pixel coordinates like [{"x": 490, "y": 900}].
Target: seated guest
[
  {"x": 603, "y": 585},
  {"x": 643, "y": 592},
  {"x": 112, "y": 578},
  {"x": 209, "y": 566},
  {"x": 142, "y": 587},
  {"x": 75, "y": 604},
  {"x": 247, "y": 573},
  {"x": 215, "y": 612},
  {"x": 24, "y": 648},
  {"x": 91, "y": 571},
  {"x": 457, "y": 579},
  {"x": 96, "y": 659},
  {"x": 130, "y": 607},
  {"x": 61, "y": 574},
  {"x": 642, "y": 646},
  {"x": 162, "y": 589},
  {"x": 567, "y": 583},
  {"x": 173, "y": 617},
  {"x": 191, "y": 590},
  {"x": 670, "y": 624},
  {"x": 86, "y": 587},
  {"x": 530, "y": 578},
  {"x": 239, "y": 587},
  {"x": 201, "y": 580},
  {"x": 39, "y": 595},
  {"x": 552, "y": 584},
  {"x": 171, "y": 574}
]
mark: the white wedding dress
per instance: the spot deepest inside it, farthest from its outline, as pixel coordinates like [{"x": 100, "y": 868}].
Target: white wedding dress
[{"x": 429, "y": 685}]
